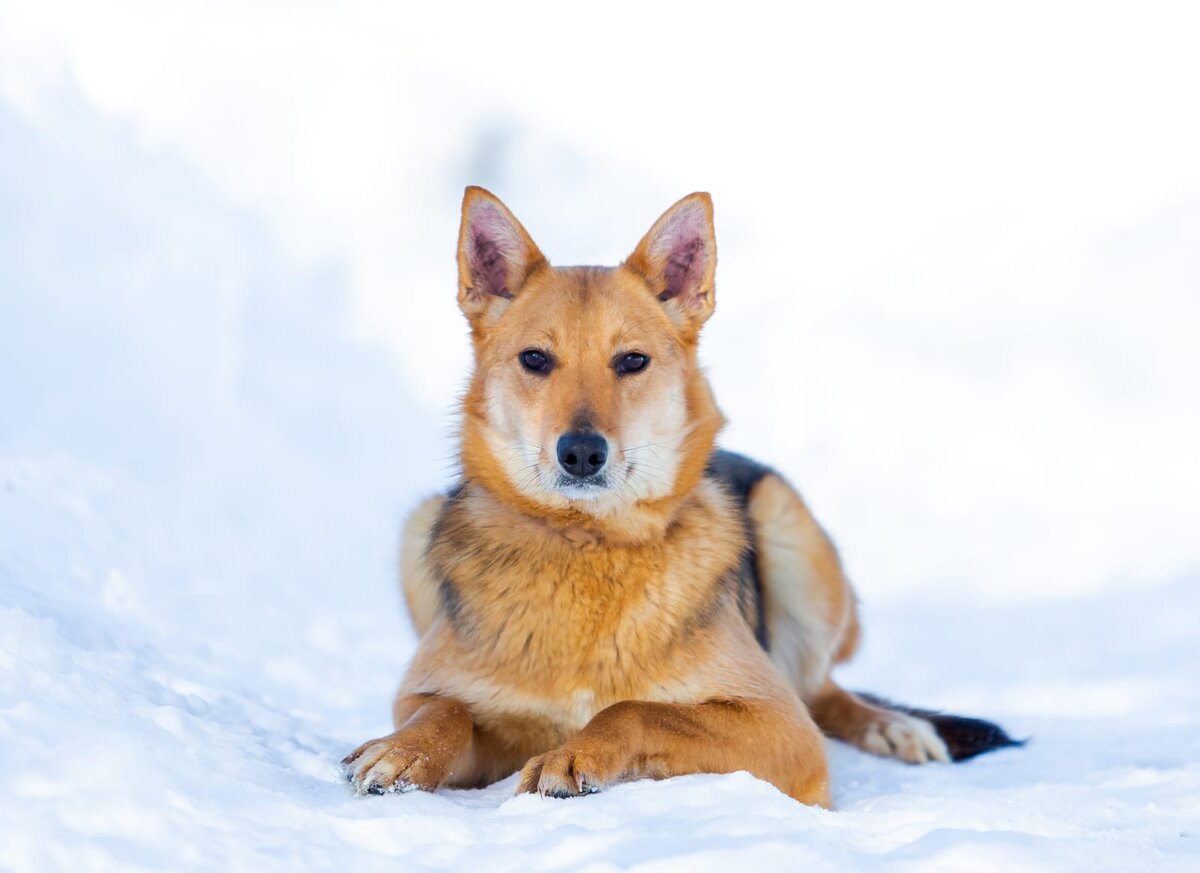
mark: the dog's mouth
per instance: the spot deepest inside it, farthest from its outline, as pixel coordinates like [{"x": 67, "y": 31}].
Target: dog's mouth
[{"x": 582, "y": 487}]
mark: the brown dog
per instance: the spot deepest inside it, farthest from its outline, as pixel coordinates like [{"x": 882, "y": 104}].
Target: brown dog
[{"x": 605, "y": 596}]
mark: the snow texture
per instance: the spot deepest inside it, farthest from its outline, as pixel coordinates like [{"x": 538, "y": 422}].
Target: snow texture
[{"x": 212, "y": 421}]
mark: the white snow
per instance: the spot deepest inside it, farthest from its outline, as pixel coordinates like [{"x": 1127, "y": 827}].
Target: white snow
[{"x": 957, "y": 304}]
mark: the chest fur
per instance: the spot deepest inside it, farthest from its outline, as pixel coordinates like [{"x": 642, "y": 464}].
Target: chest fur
[{"x": 580, "y": 625}]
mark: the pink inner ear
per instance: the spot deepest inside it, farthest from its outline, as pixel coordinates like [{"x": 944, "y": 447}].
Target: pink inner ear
[
  {"x": 683, "y": 242},
  {"x": 492, "y": 249}
]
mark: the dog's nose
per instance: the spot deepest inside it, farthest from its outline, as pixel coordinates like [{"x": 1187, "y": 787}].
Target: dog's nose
[{"x": 582, "y": 453}]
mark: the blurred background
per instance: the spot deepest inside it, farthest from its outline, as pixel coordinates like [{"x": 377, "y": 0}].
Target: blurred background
[
  {"x": 959, "y": 254},
  {"x": 958, "y": 302}
]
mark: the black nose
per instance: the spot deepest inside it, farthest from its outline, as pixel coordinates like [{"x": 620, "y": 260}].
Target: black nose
[{"x": 582, "y": 453}]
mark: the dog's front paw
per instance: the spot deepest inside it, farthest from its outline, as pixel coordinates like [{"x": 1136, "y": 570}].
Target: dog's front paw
[
  {"x": 391, "y": 764},
  {"x": 570, "y": 771}
]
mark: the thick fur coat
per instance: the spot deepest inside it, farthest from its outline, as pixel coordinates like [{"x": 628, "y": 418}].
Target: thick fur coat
[{"x": 605, "y": 595}]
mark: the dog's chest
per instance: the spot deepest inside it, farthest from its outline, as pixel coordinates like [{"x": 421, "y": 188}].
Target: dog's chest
[
  {"x": 587, "y": 618},
  {"x": 558, "y": 629}
]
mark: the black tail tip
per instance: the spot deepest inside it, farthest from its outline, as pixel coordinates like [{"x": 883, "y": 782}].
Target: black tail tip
[{"x": 967, "y": 737}]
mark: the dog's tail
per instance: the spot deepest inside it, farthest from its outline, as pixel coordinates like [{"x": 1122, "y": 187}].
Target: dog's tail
[{"x": 965, "y": 737}]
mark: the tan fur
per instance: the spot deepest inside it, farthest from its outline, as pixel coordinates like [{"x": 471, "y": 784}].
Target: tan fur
[
  {"x": 420, "y": 587},
  {"x": 809, "y": 603},
  {"x": 845, "y": 716},
  {"x": 812, "y": 623},
  {"x": 586, "y": 637}
]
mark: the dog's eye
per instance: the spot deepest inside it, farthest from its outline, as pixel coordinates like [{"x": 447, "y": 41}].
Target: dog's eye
[
  {"x": 634, "y": 362},
  {"x": 535, "y": 361}
]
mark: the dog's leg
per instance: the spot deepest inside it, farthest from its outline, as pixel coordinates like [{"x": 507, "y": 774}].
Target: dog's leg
[
  {"x": 812, "y": 624},
  {"x": 634, "y": 740},
  {"x": 809, "y": 604},
  {"x": 432, "y": 741},
  {"x": 887, "y": 732}
]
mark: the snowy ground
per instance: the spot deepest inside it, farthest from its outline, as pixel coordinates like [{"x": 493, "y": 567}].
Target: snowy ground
[{"x": 224, "y": 376}]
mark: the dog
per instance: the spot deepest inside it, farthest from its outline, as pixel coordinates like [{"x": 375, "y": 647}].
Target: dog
[{"x": 606, "y": 596}]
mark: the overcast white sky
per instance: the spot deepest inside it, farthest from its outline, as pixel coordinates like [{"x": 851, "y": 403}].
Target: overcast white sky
[{"x": 841, "y": 140}]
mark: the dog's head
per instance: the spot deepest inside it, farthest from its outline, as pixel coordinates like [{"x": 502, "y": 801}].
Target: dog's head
[{"x": 587, "y": 404}]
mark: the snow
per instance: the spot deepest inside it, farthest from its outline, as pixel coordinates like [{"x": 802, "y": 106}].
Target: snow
[{"x": 227, "y": 368}]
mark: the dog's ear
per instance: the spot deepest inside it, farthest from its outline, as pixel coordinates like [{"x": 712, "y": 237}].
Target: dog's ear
[
  {"x": 495, "y": 255},
  {"x": 678, "y": 258}
]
